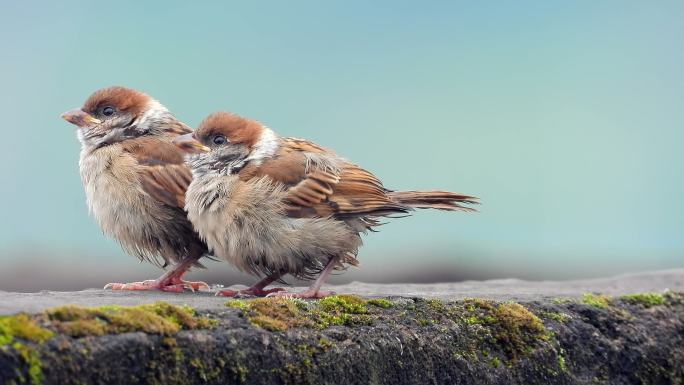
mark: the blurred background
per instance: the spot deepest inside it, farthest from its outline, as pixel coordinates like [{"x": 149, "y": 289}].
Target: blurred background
[{"x": 565, "y": 118}]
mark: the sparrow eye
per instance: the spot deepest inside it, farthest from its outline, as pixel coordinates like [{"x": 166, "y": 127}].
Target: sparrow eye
[
  {"x": 219, "y": 139},
  {"x": 108, "y": 111}
]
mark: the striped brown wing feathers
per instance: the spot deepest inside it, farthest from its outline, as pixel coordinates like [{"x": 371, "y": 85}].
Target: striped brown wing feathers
[
  {"x": 322, "y": 184},
  {"x": 360, "y": 193},
  {"x": 163, "y": 173},
  {"x": 167, "y": 183}
]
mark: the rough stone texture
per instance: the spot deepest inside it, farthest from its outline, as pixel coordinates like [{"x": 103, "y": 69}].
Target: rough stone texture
[
  {"x": 416, "y": 341},
  {"x": 500, "y": 290}
]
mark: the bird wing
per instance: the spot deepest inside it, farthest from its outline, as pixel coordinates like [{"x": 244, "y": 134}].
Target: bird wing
[
  {"x": 162, "y": 170},
  {"x": 321, "y": 184}
]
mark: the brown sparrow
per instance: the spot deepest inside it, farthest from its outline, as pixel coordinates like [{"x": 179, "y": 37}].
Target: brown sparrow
[
  {"x": 273, "y": 206},
  {"x": 135, "y": 181}
]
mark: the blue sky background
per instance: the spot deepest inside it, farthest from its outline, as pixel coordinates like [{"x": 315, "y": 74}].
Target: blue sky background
[{"x": 565, "y": 118}]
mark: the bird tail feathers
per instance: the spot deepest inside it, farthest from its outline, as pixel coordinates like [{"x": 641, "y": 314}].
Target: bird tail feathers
[{"x": 440, "y": 200}]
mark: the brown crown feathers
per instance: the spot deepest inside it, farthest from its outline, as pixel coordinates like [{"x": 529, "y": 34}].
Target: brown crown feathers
[
  {"x": 235, "y": 128},
  {"x": 123, "y": 99}
]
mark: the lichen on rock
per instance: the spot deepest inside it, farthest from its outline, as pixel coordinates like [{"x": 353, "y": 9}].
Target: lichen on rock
[
  {"x": 14, "y": 329},
  {"x": 156, "y": 318},
  {"x": 279, "y": 314},
  {"x": 644, "y": 299},
  {"x": 598, "y": 301}
]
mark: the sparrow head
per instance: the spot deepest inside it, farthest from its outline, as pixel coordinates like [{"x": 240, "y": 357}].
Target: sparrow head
[
  {"x": 114, "y": 114},
  {"x": 226, "y": 142}
]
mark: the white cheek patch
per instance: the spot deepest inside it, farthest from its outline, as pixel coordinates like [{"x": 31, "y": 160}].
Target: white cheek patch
[
  {"x": 154, "y": 112},
  {"x": 265, "y": 147},
  {"x": 81, "y": 138}
]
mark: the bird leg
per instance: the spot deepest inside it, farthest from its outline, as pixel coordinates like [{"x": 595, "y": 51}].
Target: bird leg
[
  {"x": 256, "y": 290},
  {"x": 314, "y": 291},
  {"x": 171, "y": 281}
]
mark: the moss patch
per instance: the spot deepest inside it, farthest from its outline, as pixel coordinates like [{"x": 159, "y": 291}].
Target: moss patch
[
  {"x": 349, "y": 304},
  {"x": 279, "y": 314},
  {"x": 276, "y": 314},
  {"x": 517, "y": 328},
  {"x": 562, "y": 300},
  {"x": 596, "y": 300},
  {"x": 22, "y": 327},
  {"x": 560, "y": 317},
  {"x": 157, "y": 318},
  {"x": 561, "y": 362},
  {"x": 493, "y": 326},
  {"x": 509, "y": 326},
  {"x": 380, "y": 302},
  {"x": 30, "y": 357},
  {"x": 644, "y": 299}
]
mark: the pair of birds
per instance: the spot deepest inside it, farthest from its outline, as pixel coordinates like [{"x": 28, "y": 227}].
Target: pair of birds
[{"x": 232, "y": 189}]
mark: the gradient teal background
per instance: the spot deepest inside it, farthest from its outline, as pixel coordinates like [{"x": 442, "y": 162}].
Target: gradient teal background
[{"x": 565, "y": 118}]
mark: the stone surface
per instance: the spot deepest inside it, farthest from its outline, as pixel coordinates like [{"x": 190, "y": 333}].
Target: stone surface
[
  {"x": 557, "y": 335},
  {"x": 501, "y": 290}
]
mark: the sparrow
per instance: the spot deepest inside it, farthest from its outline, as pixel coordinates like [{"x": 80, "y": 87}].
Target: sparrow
[
  {"x": 272, "y": 206},
  {"x": 135, "y": 181}
]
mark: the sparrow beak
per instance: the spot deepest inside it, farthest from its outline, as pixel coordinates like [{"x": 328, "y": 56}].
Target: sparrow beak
[
  {"x": 79, "y": 118},
  {"x": 189, "y": 144}
]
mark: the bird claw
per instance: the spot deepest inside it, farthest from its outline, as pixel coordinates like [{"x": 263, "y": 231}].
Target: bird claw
[
  {"x": 132, "y": 286},
  {"x": 197, "y": 285},
  {"x": 226, "y": 293},
  {"x": 171, "y": 286}
]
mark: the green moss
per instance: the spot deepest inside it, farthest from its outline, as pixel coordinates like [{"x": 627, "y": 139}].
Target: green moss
[
  {"x": 172, "y": 350},
  {"x": 350, "y": 304},
  {"x": 30, "y": 357},
  {"x": 340, "y": 310},
  {"x": 473, "y": 304},
  {"x": 269, "y": 323},
  {"x": 83, "y": 328},
  {"x": 240, "y": 372},
  {"x": 276, "y": 314},
  {"x": 644, "y": 299},
  {"x": 495, "y": 362},
  {"x": 324, "y": 343},
  {"x": 207, "y": 372},
  {"x": 237, "y": 304},
  {"x": 596, "y": 300},
  {"x": 560, "y": 317},
  {"x": 279, "y": 314},
  {"x": 156, "y": 318},
  {"x": 435, "y": 305},
  {"x": 380, "y": 302},
  {"x": 561, "y": 362},
  {"x": 509, "y": 326},
  {"x": 516, "y": 328},
  {"x": 22, "y": 327},
  {"x": 562, "y": 300},
  {"x": 423, "y": 321}
]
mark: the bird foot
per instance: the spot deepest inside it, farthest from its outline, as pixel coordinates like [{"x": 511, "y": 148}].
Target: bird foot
[
  {"x": 306, "y": 294},
  {"x": 175, "y": 285},
  {"x": 249, "y": 292}
]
